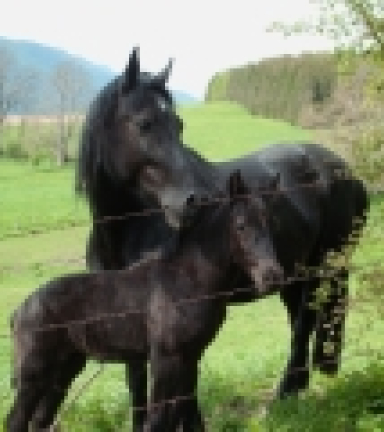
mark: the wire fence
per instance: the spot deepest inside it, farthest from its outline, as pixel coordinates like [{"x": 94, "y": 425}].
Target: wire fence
[{"x": 319, "y": 273}]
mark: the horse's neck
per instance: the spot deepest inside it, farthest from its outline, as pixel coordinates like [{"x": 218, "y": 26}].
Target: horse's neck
[
  {"x": 111, "y": 199},
  {"x": 206, "y": 174}
]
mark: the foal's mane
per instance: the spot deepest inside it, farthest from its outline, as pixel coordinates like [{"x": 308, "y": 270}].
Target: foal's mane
[{"x": 197, "y": 216}]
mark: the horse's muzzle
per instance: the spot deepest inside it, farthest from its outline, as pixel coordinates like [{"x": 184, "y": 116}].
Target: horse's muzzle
[{"x": 267, "y": 276}]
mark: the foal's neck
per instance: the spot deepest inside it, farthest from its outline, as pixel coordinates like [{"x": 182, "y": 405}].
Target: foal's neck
[{"x": 204, "y": 255}]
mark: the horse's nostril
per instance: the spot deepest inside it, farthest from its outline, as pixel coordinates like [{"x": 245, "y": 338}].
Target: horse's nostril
[{"x": 274, "y": 275}]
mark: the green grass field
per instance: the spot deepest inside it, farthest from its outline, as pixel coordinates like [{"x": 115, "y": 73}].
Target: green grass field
[{"x": 43, "y": 230}]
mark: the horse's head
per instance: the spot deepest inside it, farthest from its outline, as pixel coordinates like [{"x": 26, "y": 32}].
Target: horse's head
[
  {"x": 251, "y": 241},
  {"x": 145, "y": 150}
]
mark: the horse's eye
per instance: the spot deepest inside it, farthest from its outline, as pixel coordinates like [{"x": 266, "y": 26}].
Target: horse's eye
[{"x": 146, "y": 125}]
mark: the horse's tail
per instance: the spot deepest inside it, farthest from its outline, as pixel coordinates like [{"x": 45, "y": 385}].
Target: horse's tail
[{"x": 329, "y": 335}]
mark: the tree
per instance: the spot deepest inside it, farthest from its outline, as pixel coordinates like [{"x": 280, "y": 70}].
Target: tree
[
  {"x": 17, "y": 86},
  {"x": 357, "y": 29},
  {"x": 72, "y": 85}
]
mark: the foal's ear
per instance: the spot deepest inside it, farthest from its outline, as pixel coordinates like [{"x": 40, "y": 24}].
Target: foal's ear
[
  {"x": 275, "y": 182},
  {"x": 132, "y": 72},
  {"x": 236, "y": 185},
  {"x": 188, "y": 211},
  {"x": 190, "y": 200},
  {"x": 162, "y": 77}
]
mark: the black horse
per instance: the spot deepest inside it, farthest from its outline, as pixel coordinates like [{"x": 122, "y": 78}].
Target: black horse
[
  {"x": 167, "y": 308},
  {"x": 136, "y": 174}
]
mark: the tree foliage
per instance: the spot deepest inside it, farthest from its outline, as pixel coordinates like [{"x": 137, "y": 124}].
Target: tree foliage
[
  {"x": 71, "y": 84},
  {"x": 357, "y": 28},
  {"x": 277, "y": 87}
]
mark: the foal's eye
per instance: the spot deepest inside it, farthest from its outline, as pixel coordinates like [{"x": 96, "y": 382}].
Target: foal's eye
[
  {"x": 240, "y": 224},
  {"x": 241, "y": 227}
]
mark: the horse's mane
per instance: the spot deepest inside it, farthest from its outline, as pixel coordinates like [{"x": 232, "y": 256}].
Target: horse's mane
[
  {"x": 203, "y": 171},
  {"x": 90, "y": 158}
]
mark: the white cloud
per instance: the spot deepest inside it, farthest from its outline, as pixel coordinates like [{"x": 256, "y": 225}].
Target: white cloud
[{"x": 202, "y": 37}]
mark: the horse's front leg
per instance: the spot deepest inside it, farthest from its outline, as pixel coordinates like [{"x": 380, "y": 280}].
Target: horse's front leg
[
  {"x": 136, "y": 375},
  {"x": 297, "y": 298}
]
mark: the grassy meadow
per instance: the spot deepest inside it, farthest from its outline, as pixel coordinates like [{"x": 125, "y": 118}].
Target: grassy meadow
[{"x": 43, "y": 230}]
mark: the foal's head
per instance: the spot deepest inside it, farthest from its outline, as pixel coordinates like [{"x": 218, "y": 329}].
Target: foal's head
[{"x": 234, "y": 227}]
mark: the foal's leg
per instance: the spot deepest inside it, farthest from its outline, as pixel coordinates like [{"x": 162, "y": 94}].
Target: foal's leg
[
  {"x": 192, "y": 420},
  {"x": 297, "y": 298},
  {"x": 28, "y": 395},
  {"x": 137, "y": 381},
  {"x": 46, "y": 410},
  {"x": 330, "y": 330},
  {"x": 167, "y": 393}
]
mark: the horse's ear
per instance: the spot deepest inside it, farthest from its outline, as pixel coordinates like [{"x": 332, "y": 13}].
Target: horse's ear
[
  {"x": 236, "y": 185},
  {"x": 132, "y": 72},
  {"x": 162, "y": 77}
]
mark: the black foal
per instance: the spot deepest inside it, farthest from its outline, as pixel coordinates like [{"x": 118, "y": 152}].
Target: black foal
[{"x": 166, "y": 309}]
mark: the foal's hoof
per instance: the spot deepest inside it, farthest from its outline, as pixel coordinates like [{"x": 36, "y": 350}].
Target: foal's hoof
[
  {"x": 53, "y": 428},
  {"x": 328, "y": 367}
]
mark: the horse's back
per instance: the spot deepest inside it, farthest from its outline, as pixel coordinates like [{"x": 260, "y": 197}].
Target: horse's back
[{"x": 320, "y": 198}]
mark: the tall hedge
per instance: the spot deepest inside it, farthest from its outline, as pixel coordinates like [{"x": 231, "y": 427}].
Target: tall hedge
[{"x": 277, "y": 87}]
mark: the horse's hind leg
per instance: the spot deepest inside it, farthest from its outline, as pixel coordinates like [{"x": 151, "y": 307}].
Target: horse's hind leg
[
  {"x": 44, "y": 415},
  {"x": 297, "y": 298},
  {"x": 137, "y": 381},
  {"x": 330, "y": 330}
]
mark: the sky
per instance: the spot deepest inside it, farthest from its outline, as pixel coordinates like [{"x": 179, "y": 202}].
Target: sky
[{"x": 203, "y": 37}]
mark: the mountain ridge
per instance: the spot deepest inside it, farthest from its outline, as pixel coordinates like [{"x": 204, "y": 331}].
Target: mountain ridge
[{"x": 43, "y": 58}]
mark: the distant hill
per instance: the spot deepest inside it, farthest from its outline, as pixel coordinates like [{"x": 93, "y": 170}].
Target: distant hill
[
  {"x": 183, "y": 98},
  {"x": 43, "y": 59}
]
